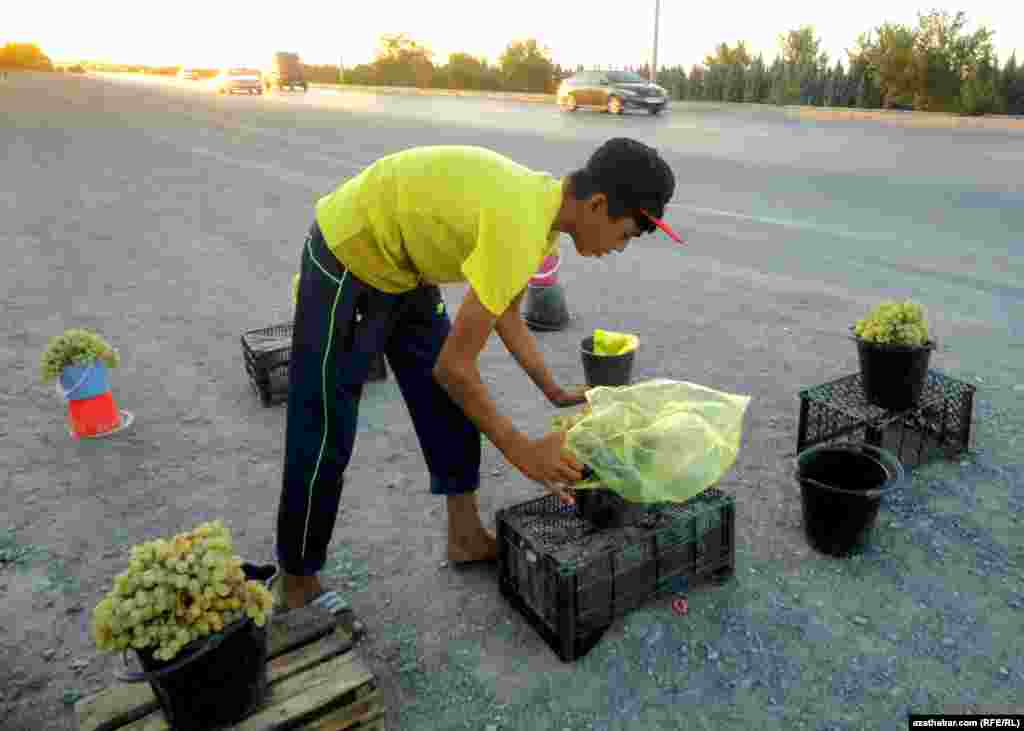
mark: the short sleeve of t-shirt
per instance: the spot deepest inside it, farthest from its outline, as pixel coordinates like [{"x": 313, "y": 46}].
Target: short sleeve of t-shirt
[{"x": 511, "y": 244}]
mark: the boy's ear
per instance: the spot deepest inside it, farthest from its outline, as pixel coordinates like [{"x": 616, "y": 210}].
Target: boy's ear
[{"x": 598, "y": 202}]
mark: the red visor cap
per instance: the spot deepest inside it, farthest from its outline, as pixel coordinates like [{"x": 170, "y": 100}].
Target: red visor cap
[{"x": 664, "y": 227}]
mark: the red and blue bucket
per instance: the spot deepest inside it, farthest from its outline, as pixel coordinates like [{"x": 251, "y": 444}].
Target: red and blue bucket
[
  {"x": 546, "y": 308},
  {"x": 92, "y": 410}
]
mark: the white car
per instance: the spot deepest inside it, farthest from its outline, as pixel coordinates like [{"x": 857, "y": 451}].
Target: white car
[{"x": 246, "y": 80}]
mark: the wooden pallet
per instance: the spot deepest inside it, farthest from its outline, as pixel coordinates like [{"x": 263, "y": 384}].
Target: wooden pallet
[{"x": 315, "y": 682}]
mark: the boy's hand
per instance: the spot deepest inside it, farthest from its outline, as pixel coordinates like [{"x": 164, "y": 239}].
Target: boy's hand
[
  {"x": 574, "y": 396},
  {"x": 545, "y": 461}
]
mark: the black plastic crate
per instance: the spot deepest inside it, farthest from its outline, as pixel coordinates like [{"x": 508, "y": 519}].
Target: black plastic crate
[
  {"x": 571, "y": 581},
  {"x": 939, "y": 427},
  {"x": 267, "y": 352}
]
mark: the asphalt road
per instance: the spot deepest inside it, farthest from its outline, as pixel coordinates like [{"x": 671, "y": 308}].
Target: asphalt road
[
  {"x": 858, "y": 208},
  {"x": 170, "y": 220}
]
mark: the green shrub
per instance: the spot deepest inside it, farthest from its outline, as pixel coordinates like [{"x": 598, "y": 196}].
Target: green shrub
[
  {"x": 895, "y": 323},
  {"x": 76, "y": 347}
]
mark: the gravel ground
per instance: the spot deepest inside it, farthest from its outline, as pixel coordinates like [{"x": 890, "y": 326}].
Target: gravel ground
[{"x": 170, "y": 221}]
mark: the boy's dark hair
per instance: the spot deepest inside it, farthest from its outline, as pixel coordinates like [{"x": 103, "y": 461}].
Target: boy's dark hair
[{"x": 632, "y": 175}]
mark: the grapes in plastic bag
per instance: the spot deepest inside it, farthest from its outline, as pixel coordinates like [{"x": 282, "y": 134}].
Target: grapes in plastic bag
[{"x": 656, "y": 441}]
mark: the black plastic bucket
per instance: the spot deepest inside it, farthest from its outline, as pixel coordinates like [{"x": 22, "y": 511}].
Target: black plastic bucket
[
  {"x": 546, "y": 309},
  {"x": 213, "y": 682},
  {"x": 604, "y": 508},
  {"x": 841, "y": 488},
  {"x": 893, "y": 376},
  {"x": 606, "y": 370}
]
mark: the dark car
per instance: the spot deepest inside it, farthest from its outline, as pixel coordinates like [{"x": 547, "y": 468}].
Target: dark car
[{"x": 615, "y": 91}]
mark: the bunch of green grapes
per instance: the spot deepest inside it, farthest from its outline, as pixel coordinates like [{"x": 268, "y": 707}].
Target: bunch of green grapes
[
  {"x": 900, "y": 323},
  {"x": 175, "y": 592}
]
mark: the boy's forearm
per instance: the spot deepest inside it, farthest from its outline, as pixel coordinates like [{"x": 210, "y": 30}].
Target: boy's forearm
[
  {"x": 468, "y": 391},
  {"x": 523, "y": 347}
]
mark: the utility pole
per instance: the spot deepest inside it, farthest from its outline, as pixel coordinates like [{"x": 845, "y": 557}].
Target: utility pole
[{"x": 654, "y": 55}]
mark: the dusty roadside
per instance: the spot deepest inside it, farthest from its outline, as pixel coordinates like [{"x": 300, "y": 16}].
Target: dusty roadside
[{"x": 164, "y": 223}]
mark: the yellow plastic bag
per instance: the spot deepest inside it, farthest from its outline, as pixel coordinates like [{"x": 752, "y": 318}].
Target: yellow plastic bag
[
  {"x": 657, "y": 441},
  {"x": 607, "y": 342}
]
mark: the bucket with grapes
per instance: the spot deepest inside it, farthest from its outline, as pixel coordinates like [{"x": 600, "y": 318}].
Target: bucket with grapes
[
  {"x": 894, "y": 347},
  {"x": 195, "y": 614}
]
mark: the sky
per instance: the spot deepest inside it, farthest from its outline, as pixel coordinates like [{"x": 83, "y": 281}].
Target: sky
[{"x": 214, "y": 34}]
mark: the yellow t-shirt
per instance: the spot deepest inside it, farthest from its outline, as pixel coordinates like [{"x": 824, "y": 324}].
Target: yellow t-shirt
[{"x": 444, "y": 215}]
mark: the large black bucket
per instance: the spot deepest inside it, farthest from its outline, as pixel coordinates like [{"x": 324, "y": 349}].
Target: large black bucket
[
  {"x": 606, "y": 370},
  {"x": 213, "y": 682},
  {"x": 604, "y": 508},
  {"x": 841, "y": 488},
  {"x": 893, "y": 376}
]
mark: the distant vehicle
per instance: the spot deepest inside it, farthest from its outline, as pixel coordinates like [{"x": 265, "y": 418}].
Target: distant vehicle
[
  {"x": 614, "y": 91},
  {"x": 188, "y": 75},
  {"x": 246, "y": 80},
  {"x": 285, "y": 70}
]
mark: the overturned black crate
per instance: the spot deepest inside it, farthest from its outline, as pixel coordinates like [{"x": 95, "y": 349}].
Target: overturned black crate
[
  {"x": 939, "y": 427},
  {"x": 571, "y": 581},
  {"x": 267, "y": 352}
]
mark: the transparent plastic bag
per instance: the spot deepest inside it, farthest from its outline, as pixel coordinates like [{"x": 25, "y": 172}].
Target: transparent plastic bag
[{"x": 656, "y": 441}]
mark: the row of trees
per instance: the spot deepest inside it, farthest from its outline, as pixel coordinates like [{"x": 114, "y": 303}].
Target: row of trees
[
  {"x": 524, "y": 66},
  {"x": 933, "y": 67}
]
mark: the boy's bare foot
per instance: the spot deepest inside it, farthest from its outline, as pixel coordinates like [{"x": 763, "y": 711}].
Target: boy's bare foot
[
  {"x": 468, "y": 540},
  {"x": 298, "y": 591},
  {"x": 482, "y": 547}
]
